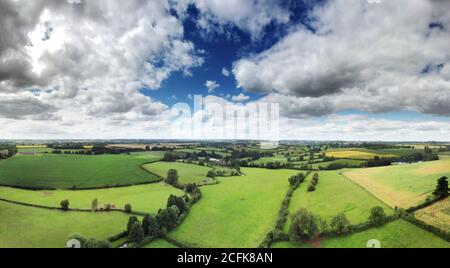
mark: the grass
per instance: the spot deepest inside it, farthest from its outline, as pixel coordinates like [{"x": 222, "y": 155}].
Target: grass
[
  {"x": 188, "y": 173},
  {"x": 403, "y": 185},
  {"x": 144, "y": 198},
  {"x": 160, "y": 243},
  {"x": 35, "y": 150},
  {"x": 237, "y": 212},
  {"x": 356, "y": 154},
  {"x": 335, "y": 194},
  {"x": 398, "y": 234},
  {"x": 26, "y": 227},
  {"x": 74, "y": 171},
  {"x": 437, "y": 215}
]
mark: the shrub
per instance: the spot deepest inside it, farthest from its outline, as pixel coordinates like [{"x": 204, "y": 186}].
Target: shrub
[
  {"x": 128, "y": 208},
  {"x": 65, "y": 205},
  {"x": 340, "y": 224},
  {"x": 305, "y": 226},
  {"x": 377, "y": 216}
]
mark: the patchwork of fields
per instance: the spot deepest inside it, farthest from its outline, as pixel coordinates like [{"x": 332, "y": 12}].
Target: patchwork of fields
[
  {"x": 74, "y": 171},
  {"x": 403, "y": 185},
  {"x": 237, "y": 212}
]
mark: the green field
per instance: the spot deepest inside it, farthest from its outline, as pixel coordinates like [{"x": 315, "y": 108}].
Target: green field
[
  {"x": 403, "y": 185},
  {"x": 357, "y": 154},
  {"x": 74, "y": 171},
  {"x": 398, "y": 234},
  {"x": 144, "y": 198},
  {"x": 35, "y": 150},
  {"x": 265, "y": 160},
  {"x": 26, "y": 227},
  {"x": 335, "y": 194},
  {"x": 160, "y": 243},
  {"x": 187, "y": 173},
  {"x": 237, "y": 212}
]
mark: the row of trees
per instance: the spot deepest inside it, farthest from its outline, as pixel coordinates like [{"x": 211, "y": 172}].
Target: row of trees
[
  {"x": 307, "y": 226},
  {"x": 314, "y": 182},
  {"x": 155, "y": 226}
]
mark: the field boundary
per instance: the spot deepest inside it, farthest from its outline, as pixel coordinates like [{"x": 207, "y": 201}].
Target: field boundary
[
  {"x": 363, "y": 188},
  {"x": 137, "y": 213}
]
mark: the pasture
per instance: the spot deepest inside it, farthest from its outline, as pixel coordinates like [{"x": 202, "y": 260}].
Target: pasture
[
  {"x": 237, "y": 212},
  {"x": 335, "y": 194},
  {"x": 74, "y": 171},
  {"x": 143, "y": 198},
  {"x": 403, "y": 185},
  {"x": 188, "y": 173},
  {"x": 437, "y": 215},
  {"x": 344, "y": 162},
  {"x": 27, "y": 227},
  {"x": 356, "y": 154},
  {"x": 397, "y": 234}
]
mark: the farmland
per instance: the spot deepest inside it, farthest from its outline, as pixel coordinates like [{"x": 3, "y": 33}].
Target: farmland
[
  {"x": 239, "y": 206},
  {"x": 356, "y": 154},
  {"x": 398, "y": 234},
  {"x": 74, "y": 171},
  {"x": 332, "y": 197},
  {"x": 237, "y": 212},
  {"x": 25, "y": 227},
  {"x": 187, "y": 173},
  {"x": 145, "y": 198},
  {"x": 403, "y": 185}
]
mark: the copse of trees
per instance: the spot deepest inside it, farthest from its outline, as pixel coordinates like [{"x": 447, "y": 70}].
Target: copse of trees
[
  {"x": 136, "y": 233},
  {"x": 179, "y": 202},
  {"x": 340, "y": 224}
]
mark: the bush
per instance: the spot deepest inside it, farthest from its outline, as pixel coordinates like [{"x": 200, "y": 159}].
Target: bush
[
  {"x": 211, "y": 174},
  {"x": 65, "y": 205},
  {"x": 128, "y": 208},
  {"x": 305, "y": 226},
  {"x": 340, "y": 224},
  {"x": 377, "y": 216}
]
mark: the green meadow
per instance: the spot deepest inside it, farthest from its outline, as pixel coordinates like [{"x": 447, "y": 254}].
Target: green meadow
[
  {"x": 237, "y": 212},
  {"x": 335, "y": 194},
  {"x": 188, "y": 173},
  {"x": 397, "y": 234},
  {"x": 347, "y": 162},
  {"x": 402, "y": 185},
  {"x": 74, "y": 171},
  {"x": 146, "y": 198},
  {"x": 27, "y": 227}
]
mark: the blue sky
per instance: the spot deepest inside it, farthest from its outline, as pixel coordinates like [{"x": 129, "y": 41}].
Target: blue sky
[{"x": 336, "y": 70}]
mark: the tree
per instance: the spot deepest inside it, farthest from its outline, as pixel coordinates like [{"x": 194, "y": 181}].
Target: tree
[
  {"x": 95, "y": 204},
  {"x": 127, "y": 208},
  {"x": 377, "y": 216},
  {"x": 94, "y": 243},
  {"x": 65, "y": 205},
  {"x": 179, "y": 202},
  {"x": 136, "y": 234},
  {"x": 305, "y": 226},
  {"x": 211, "y": 174},
  {"x": 340, "y": 224},
  {"x": 442, "y": 189},
  {"x": 150, "y": 226},
  {"x": 172, "y": 177},
  {"x": 132, "y": 220}
]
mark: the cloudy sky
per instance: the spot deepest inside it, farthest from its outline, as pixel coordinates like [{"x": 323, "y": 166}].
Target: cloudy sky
[{"x": 339, "y": 69}]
